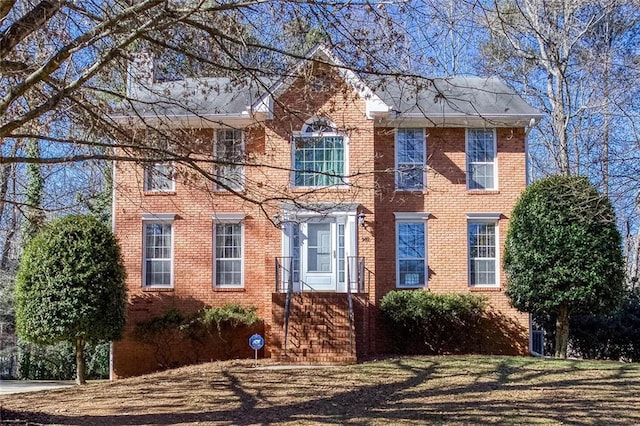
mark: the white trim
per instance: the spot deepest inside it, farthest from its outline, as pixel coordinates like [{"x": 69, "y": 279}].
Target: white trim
[
  {"x": 113, "y": 230},
  {"x": 158, "y": 217},
  {"x": 423, "y": 164},
  {"x": 311, "y": 121},
  {"x": 484, "y": 216},
  {"x": 415, "y": 218},
  {"x": 165, "y": 219},
  {"x": 228, "y": 219},
  {"x": 389, "y": 119},
  {"x": 494, "y": 162},
  {"x": 488, "y": 218},
  {"x": 411, "y": 215}
]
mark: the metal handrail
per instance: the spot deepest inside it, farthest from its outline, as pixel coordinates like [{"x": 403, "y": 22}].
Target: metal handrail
[{"x": 355, "y": 275}]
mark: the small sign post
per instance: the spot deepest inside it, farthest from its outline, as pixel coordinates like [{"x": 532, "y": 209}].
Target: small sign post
[{"x": 256, "y": 342}]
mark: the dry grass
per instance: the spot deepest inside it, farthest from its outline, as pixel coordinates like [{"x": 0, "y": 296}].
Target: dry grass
[{"x": 421, "y": 390}]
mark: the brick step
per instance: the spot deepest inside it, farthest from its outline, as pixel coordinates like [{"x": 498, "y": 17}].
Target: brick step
[{"x": 315, "y": 359}]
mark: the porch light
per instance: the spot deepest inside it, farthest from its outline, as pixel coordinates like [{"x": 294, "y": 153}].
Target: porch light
[{"x": 361, "y": 217}]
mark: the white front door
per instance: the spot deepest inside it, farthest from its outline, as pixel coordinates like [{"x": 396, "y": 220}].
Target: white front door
[
  {"x": 317, "y": 251},
  {"x": 318, "y": 255}
]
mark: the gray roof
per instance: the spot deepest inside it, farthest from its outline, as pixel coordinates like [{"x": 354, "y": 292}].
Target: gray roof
[
  {"x": 198, "y": 96},
  {"x": 455, "y": 96},
  {"x": 439, "y": 100}
]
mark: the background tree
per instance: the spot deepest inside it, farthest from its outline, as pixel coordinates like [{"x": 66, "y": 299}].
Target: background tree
[
  {"x": 563, "y": 253},
  {"x": 70, "y": 286}
]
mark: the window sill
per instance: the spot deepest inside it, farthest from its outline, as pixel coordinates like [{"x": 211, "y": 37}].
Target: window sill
[
  {"x": 485, "y": 288},
  {"x": 316, "y": 188},
  {"x": 228, "y": 289},
  {"x": 154, "y": 193},
  {"x": 483, "y": 191},
  {"x": 157, "y": 289},
  {"x": 412, "y": 287},
  {"x": 227, "y": 192},
  {"x": 413, "y": 191}
]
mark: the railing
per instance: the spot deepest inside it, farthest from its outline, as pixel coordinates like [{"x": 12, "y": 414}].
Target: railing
[
  {"x": 284, "y": 274},
  {"x": 288, "y": 275},
  {"x": 355, "y": 274}
]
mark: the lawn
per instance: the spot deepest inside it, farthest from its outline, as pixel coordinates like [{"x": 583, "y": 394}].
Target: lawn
[{"x": 450, "y": 390}]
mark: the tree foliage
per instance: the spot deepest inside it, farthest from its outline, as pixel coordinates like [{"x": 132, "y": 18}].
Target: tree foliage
[
  {"x": 70, "y": 285},
  {"x": 563, "y": 252}
]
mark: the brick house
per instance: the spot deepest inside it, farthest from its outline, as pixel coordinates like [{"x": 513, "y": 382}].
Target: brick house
[{"x": 327, "y": 193}]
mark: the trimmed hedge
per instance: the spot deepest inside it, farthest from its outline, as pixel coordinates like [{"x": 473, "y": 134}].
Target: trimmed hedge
[{"x": 425, "y": 322}]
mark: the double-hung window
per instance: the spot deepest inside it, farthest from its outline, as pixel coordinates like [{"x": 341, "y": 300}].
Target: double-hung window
[
  {"x": 483, "y": 250},
  {"x": 159, "y": 177},
  {"x": 481, "y": 159},
  {"x": 410, "y": 159},
  {"x": 319, "y": 156},
  {"x": 229, "y": 155},
  {"x": 228, "y": 241},
  {"x": 158, "y": 251},
  {"x": 411, "y": 249}
]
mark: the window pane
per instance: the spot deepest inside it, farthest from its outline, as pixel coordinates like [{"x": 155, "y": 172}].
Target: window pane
[
  {"x": 482, "y": 253},
  {"x": 411, "y": 272},
  {"x": 410, "y": 158},
  {"x": 319, "y": 247},
  {"x": 319, "y": 161},
  {"x": 157, "y": 253},
  {"x": 229, "y": 152},
  {"x": 228, "y": 252},
  {"x": 411, "y": 254},
  {"x": 159, "y": 177},
  {"x": 481, "y": 157}
]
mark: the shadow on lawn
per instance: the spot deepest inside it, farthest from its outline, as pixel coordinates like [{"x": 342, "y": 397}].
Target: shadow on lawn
[{"x": 425, "y": 394}]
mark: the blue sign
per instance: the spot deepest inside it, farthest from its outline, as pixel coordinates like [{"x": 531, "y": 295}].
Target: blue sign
[{"x": 256, "y": 342}]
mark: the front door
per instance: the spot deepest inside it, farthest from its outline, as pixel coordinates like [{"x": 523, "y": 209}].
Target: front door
[{"x": 318, "y": 255}]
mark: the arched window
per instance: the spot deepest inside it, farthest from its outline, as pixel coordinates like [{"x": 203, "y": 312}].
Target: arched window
[{"x": 319, "y": 155}]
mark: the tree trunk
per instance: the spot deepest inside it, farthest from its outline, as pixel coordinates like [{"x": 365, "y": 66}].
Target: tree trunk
[
  {"x": 80, "y": 365},
  {"x": 562, "y": 332}
]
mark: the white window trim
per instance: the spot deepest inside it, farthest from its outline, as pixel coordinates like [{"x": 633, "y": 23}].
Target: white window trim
[
  {"x": 301, "y": 134},
  {"x": 492, "y": 218},
  {"x": 215, "y": 156},
  {"x": 495, "y": 160},
  {"x": 161, "y": 218},
  {"x": 424, "y": 163},
  {"x": 145, "y": 177},
  {"x": 412, "y": 217},
  {"x": 233, "y": 218}
]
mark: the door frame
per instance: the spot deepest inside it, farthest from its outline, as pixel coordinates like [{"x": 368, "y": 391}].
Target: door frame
[{"x": 341, "y": 219}]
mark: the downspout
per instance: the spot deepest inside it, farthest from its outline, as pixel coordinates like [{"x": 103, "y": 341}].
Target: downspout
[
  {"x": 527, "y": 162},
  {"x": 527, "y": 165},
  {"x": 113, "y": 229}
]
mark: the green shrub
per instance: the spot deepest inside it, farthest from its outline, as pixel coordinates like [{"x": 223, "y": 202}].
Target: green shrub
[
  {"x": 179, "y": 338},
  {"x": 614, "y": 337},
  {"x": 424, "y": 322}
]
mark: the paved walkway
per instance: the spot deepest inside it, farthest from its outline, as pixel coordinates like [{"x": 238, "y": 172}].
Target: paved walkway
[{"x": 20, "y": 386}]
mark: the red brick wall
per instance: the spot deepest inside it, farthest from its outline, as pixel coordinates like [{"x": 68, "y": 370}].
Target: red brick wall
[
  {"x": 194, "y": 202},
  {"x": 447, "y": 201}
]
